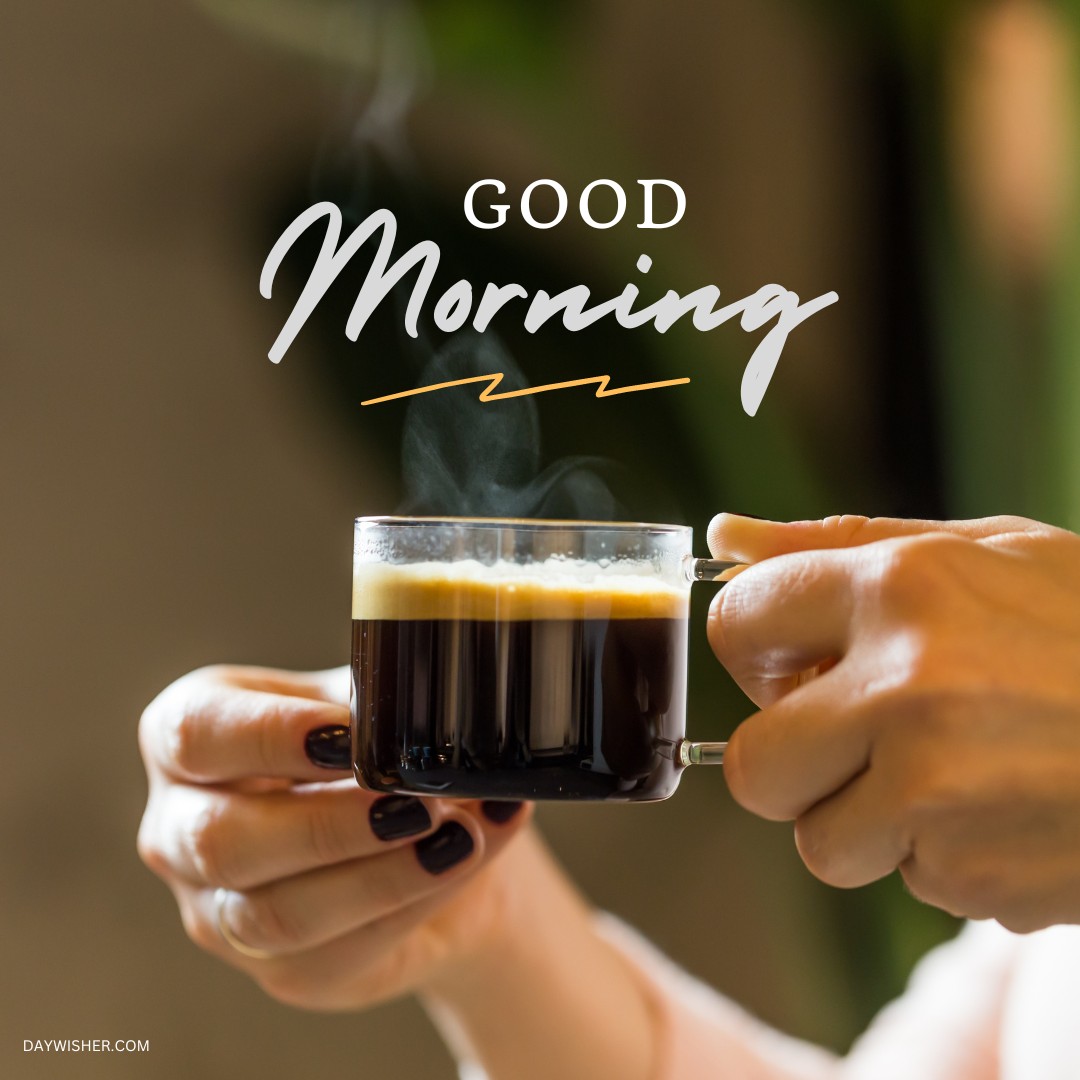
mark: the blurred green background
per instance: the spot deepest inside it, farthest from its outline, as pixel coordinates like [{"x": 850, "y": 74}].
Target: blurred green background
[{"x": 177, "y": 500}]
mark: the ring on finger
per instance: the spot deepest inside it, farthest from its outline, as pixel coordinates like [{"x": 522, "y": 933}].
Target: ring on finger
[{"x": 220, "y": 896}]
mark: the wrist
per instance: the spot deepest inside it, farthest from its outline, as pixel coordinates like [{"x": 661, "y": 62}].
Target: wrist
[
  {"x": 533, "y": 916},
  {"x": 543, "y": 993}
]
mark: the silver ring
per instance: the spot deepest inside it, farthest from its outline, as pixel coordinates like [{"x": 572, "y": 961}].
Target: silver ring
[{"x": 220, "y": 896}]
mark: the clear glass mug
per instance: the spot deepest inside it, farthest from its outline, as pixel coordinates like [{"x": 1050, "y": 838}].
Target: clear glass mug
[{"x": 520, "y": 659}]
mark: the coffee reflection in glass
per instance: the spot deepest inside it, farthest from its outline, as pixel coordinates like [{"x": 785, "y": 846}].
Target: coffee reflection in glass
[{"x": 522, "y": 659}]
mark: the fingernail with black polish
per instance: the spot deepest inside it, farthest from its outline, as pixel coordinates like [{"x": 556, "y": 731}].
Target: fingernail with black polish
[
  {"x": 443, "y": 849},
  {"x": 393, "y": 817},
  {"x": 329, "y": 747},
  {"x": 499, "y": 811}
]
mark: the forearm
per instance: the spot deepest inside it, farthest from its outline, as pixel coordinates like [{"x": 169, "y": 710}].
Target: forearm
[
  {"x": 554, "y": 999},
  {"x": 577, "y": 996}
]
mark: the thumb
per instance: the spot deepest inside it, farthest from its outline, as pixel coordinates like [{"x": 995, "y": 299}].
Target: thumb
[{"x": 744, "y": 539}]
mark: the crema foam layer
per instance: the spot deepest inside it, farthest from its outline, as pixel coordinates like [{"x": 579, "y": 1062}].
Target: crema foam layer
[{"x": 556, "y": 589}]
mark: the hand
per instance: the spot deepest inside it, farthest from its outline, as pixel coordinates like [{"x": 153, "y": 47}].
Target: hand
[
  {"x": 356, "y": 897},
  {"x": 941, "y": 734}
]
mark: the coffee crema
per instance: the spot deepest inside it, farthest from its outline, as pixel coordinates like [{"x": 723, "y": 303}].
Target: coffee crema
[
  {"x": 548, "y": 681},
  {"x": 556, "y": 589}
]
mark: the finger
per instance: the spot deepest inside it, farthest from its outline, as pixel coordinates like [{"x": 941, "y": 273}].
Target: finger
[
  {"x": 305, "y": 911},
  {"x": 365, "y": 966},
  {"x": 781, "y": 617},
  {"x": 386, "y": 957},
  {"x": 214, "y": 836},
  {"x": 743, "y": 539},
  {"x": 296, "y": 919},
  {"x": 331, "y": 684},
  {"x": 854, "y": 836},
  {"x": 800, "y": 750},
  {"x": 206, "y": 730}
]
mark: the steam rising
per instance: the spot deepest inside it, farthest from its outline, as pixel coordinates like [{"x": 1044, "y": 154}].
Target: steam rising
[
  {"x": 402, "y": 70},
  {"x": 461, "y": 456}
]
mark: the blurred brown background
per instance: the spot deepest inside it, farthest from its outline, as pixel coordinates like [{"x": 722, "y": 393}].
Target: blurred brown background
[{"x": 173, "y": 499}]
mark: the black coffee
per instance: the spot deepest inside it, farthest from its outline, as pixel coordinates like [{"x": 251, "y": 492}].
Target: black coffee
[{"x": 531, "y": 704}]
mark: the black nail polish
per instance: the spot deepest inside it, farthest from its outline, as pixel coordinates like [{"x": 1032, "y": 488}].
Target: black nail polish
[
  {"x": 499, "y": 811},
  {"x": 443, "y": 849},
  {"x": 393, "y": 817},
  {"x": 329, "y": 747}
]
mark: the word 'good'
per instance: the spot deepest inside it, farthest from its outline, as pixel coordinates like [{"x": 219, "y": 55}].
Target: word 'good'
[
  {"x": 458, "y": 306},
  {"x": 648, "y": 220}
]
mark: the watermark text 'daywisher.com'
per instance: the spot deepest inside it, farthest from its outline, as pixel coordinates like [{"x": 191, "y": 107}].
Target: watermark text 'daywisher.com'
[{"x": 86, "y": 1046}]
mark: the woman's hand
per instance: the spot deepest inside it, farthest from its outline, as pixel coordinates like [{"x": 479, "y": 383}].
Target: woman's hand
[
  {"x": 356, "y": 897},
  {"x": 942, "y": 732}
]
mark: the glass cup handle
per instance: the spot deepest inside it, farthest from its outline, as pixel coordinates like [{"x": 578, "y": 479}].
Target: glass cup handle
[
  {"x": 688, "y": 752},
  {"x": 709, "y": 570},
  {"x": 699, "y": 753}
]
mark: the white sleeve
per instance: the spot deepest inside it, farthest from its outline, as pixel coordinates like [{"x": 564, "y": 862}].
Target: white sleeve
[{"x": 948, "y": 1024}]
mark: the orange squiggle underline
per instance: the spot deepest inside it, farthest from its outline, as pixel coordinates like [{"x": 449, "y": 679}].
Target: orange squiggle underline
[{"x": 493, "y": 380}]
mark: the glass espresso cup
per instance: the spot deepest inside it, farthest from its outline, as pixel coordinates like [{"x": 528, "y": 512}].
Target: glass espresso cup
[{"x": 520, "y": 659}]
